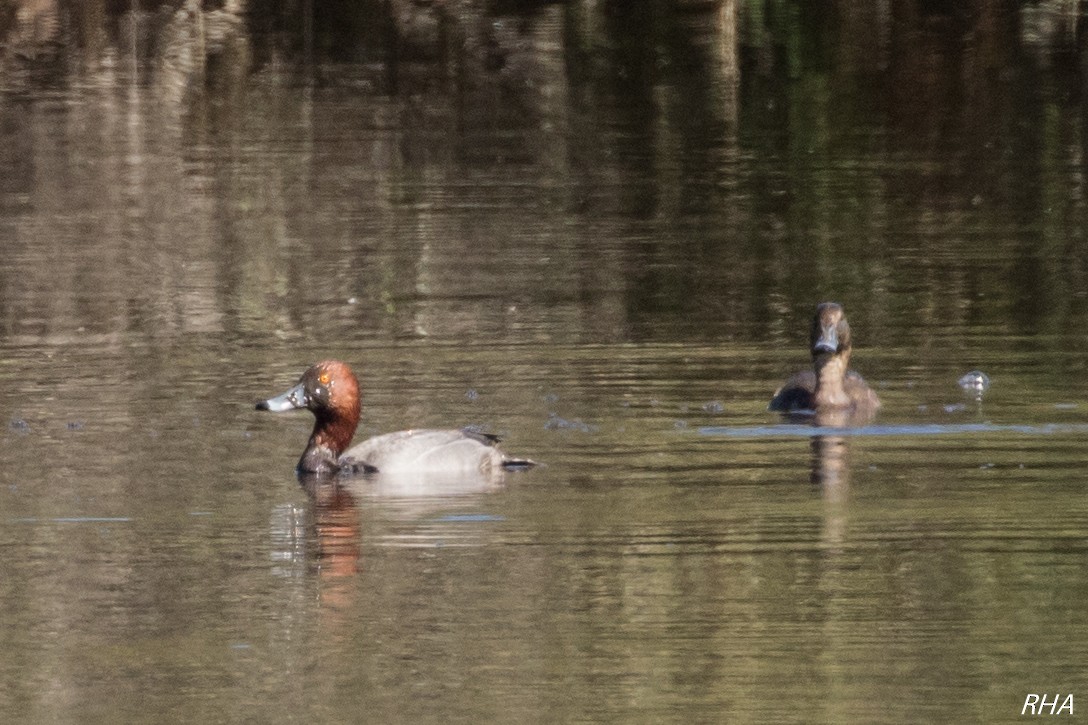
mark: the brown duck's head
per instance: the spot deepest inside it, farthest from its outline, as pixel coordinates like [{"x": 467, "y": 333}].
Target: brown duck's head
[{"x": 830, "y": 333}]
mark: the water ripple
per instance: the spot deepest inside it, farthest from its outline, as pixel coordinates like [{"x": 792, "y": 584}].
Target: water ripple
[{"x": 932, "y": 429}]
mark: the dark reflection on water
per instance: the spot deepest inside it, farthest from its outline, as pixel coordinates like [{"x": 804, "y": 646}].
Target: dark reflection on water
[{"x": 598, "y": 230}]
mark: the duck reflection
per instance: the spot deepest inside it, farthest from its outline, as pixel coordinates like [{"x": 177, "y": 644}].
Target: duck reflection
[
  {"x": 829, "y": 463},
  {"x": 336, "y": 526},
  {"x": 423, "y": 501},
  {"x": 424, "y": 493},
  {"x": 830, "y": 472},
  {"x": 830, "y": 450}
]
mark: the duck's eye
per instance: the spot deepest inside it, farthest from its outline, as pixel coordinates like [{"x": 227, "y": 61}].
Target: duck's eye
[{"x": 323, "y": 378}]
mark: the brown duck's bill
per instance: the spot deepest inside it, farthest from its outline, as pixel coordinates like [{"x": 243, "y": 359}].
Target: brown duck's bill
[{"x": 828, "y": 342}]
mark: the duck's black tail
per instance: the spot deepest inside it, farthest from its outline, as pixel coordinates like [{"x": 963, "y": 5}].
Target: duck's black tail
[
  {"x": 518, "y": 464},
  {"x": 490, "y": 439}
]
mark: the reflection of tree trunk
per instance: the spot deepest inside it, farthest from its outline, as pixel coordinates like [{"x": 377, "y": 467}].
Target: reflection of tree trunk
[
  {"x": 730, "y": 64},
  {"x": 308, "y": 40},
  {"x": 36, "y": 30},
  {"x": 195, "y": 37}
]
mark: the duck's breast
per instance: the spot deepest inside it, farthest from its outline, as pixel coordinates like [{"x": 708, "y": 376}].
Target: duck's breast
[
  {"x": 424, "y": 451},
  {"x": 859, "y": 391}
]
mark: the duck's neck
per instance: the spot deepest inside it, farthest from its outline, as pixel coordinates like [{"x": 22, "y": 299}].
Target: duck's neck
[
  {"x": 331, "y": 436},
  {"x": 830, "y": 374}
]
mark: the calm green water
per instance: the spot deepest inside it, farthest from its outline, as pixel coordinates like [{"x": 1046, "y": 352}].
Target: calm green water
[{"x": 600, "y": 233}]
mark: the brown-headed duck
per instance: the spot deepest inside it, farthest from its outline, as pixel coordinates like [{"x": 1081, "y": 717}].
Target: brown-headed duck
[
  {"x": 330, "y": 391},
  {"x": 830, "y": 387}
]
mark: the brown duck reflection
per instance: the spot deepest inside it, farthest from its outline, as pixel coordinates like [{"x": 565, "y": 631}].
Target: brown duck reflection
[
  {"x": 830, "y": 451},
  {"x": 830, "y": 459}
]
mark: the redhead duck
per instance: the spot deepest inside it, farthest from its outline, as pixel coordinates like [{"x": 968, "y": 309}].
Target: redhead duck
[
  {"x": 830, "y": 388},
  {"x": 330, "y": 391}
]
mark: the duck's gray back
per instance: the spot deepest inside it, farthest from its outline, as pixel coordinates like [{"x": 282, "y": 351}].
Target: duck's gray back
[{"x": 421, "y": 451}]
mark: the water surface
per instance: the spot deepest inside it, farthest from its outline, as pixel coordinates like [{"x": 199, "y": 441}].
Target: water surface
[{"x": 599, "y": 233}]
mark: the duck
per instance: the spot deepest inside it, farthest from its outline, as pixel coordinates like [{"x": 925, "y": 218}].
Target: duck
[
  {"x": 830, "y": 390},
  {"x": 330, "y": 390}
]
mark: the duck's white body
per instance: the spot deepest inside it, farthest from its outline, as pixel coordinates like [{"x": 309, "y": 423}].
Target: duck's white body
[{"x": 425, "y": 451}]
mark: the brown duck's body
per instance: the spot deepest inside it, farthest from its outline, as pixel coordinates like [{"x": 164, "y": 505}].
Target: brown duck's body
[
  {"x": 799, "y": 393},
  {"x": 830, "y": 386}
]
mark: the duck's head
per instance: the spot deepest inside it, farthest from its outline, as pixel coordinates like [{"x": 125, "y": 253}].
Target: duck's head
[
  {"x": 830, "y": 335},
  {"x": 330, "y": 391}
]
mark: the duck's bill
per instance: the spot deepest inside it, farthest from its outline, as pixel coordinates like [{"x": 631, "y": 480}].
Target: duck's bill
[
  {"x": 291, "y": 400},
  {"x": 828, "y": 341}
]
